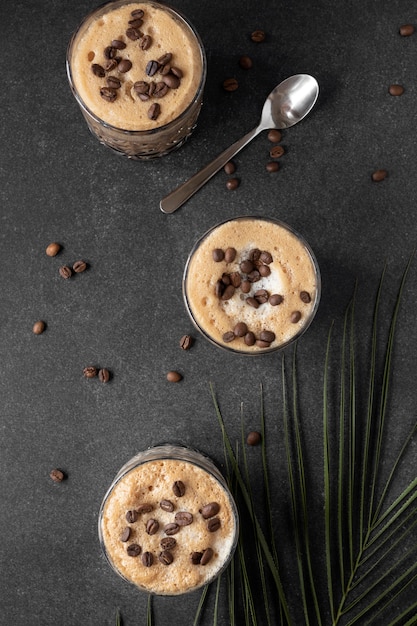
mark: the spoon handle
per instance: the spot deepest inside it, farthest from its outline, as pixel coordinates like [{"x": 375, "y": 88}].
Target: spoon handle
[{"x": 181, "y": 194}]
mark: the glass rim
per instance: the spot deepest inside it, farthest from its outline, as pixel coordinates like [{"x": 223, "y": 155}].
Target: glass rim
[
  {"x": 300, "y": 332},
  {"x": 99, "y": 120}
]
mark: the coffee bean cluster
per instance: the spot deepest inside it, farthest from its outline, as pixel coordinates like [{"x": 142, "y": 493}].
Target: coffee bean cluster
[
  {"x": 169, "y": 75},
  {"x": 91, "y": 371},
  {"x": 168, "y": 543}
]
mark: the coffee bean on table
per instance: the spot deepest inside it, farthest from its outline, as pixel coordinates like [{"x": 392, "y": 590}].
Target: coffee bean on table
[
  {"x": 90, "y": 371},
  {"x": 174, "y": 377},
  {"x": 38, "y": 327},
  {"x": 186, "y": 342},
  {"x": 258, "y": 36},
  {"x": 276, "y": 152},
  {"x": 230, "y": 168},
  {"x": 274, "y": 135},
  {"x": 57, "y": 475},
  {"x": 53, "y": 249},
  {"x": 406, "y": 30},
  {"x": 253, "y": 438},
  {"x": 230, "y": 84},
  {"x": 379, "y": 175},
  {"x": 272, "y": 166},
  {"x": 245, "y": 62},
  {"x": 104, "y": 375},
  {"x": 396, "y": 90},
  {"x": 79, "y": 266},
  {"x": 65, "y": 271}
]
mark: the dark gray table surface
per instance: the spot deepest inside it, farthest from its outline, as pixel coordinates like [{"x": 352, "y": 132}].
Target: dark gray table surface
[{"x": 57, "y": 183}]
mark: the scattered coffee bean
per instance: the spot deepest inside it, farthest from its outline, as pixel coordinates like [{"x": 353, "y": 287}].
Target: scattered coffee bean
[
  {"x": 261, "y": 295},
  {"x": 145, "y": 42},
  {"x": 147, "y": 559},
  {"x": 253, "y": 438},
  {"x": 133, "y": 33},
  {"x": 218, "y": 255},
  {"x": 166, "y": 557},
  {"x": 396, "y": 90},
  {"x": 109, "y": 52},
  {"x": 109, "y": 66},
  {"x": 161, "y": 90},
  {"x": 167, "y": 505},
  {"x": 152, "y": 526},
  {"x": 295, "y": 317},
  {"x": 213, "y": 524},
  {"x": 104, "y": 375},
  {"x": 57, "y": 475},
  {"x": 272, "y": 166},
  {"x": 108, "y": 94},
  {"x": 136, "y": 22},
  {"x": 246, "y": 266},
  {"x": 228, "y": 292},
  {"x": 262, "y": 344},
  {"x": 249, "y": 339},
  {"x": 113, "y": 82},
  {"x": 124, "y": 66},
  {"x": 174, "y": 377},
  {"x": 230, "y": 168},
  {"x": 196, "y": 558},
  {"x": 240, "y": 329},
  {"x": 131, "y": 516},
  {"x": 276, "y": 152},
  {"x": 65, "y": 271},
  {"x": 186, "y": 342},
  {"x": 264, "y": 270},
  {"x": 137, "y": 13},
  {"x": 206, "y": 556},
  {"x": 305, "y": 297},
  {"x": 171, "y": 529},
  {"x": 379, "y": 175},
  {"x": 145, "y": 507},
  {"x": 235, "y": 279},
  {"x": 125, "y": 534},
  {"x": 79, "y": 266},
  {"x": 210, "y": 510},
  {"x": 90, "y": 371},
  {"x": 230, "y": 255},
  {"x": 172, "y": 81},
  {"x": 232, "y": 184},
  {"x": 178, "y": 488},
  {"x": 245, "y": 62},
  {"x": 184, "y": 518},
  {"x": 133, "y": 549},
  {"x": 168, "y": 543},
  {"x": 98, "y": 70},
  {"x": 53, "y": 248},
  {"x": 274, "y": 135},
  {"x": 245, "y": 286},
  {"x": 267, "y": 335},
  {"x": 38, "y": 327},
  {"x": 151, "y": 68},
  {"x": 275, "y": 299},
  {"x": 230, "y": 84},
  {"x": 252, "y": 302},
  {"x": 118, "y": 44},
  {"x": 406, "y": 30},
  {"x": 258, "y": 36},
  {"x": 154, "y": 111},
  {"x": 228, "y": 336}
]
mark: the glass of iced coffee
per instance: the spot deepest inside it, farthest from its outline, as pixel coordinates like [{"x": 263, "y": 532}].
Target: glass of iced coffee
[
  {"x": 251, "y": 285},
  {"x": 137, "y": 71},
  {"x": 168, "y": 523}
]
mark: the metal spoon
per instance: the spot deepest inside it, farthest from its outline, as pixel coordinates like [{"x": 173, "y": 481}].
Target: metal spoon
[{"x": 286, "y": 105}]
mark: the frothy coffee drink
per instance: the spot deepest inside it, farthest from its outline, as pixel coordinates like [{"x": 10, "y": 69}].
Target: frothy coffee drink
[
  {"x": 252, "y": 284},
  {"x": 169, "y": 525}
]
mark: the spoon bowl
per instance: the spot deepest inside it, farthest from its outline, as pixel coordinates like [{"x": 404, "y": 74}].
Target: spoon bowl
[{"x": 286, "y": 105}]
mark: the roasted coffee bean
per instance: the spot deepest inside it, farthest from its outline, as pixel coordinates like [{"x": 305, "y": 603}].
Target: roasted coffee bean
[
  {"x": 379, "y": 175},
  {"x": 228, "y": 336},
  {"x": 65, "y": 271},
  {"x": 186, "y": 342},
  {"x": 295, "y": 317},
  {"x": 249, "y": 339},
  {"x": 267, "y": 335},
  {"x": 140, "y": 87},
  {"x": 262, "y": 344},
  {"x": 254, "y": 255},
  {"x": 219, "y": 288},
  {"x": 213, "y": 524},
  {"x": 305, "y": 297},
  {"x": 254, "y": 276},
  {"x": 206, "y": 556},
  {"x": 108, "y": 94},
  {"x": 168, "y": 543},
  {"x": 57, "y": 475},
  {"x": 245, "y": 62},
  {"x": 266, "y": 257},
  {"x": 90, "y": 371},
  {"x": 137, "y": 13},
  {"x": 232, "y": 184},
  {"x": 253, "y": 438},
  {"x": 173, "y": 82},
  {"x": 166, "y": 557},
  {"x": 230, "y": 255},
  {"x": 98, "y": 70},
  {"x": 52, "y": 249},
  {"x": 396, "y": 90},
  {"x": 136, "y": 22},
  {"x": 152, "y": 526},
  {"x": 111, "y": 65},
  {"x": 174, "y": 377},
  {"x": 228, "y": 292},
  {"x": 272, "y": 166},
  {"x": 154, "y": 111},
  {"x": 124, "y": 66},
  {"x": 245, "y": 286},
  {"x": 165, "y": 69},
  {"x": 178, "y": 488},
  {"x": 177, "y": 72},
  {"x": 225, "y": 279},
  {"x": 210, "y": 510},
  {"x": 235, "y": 279},
  {"x": 275, "y": 299},
  {"x": 133, "y": 549},
  {"x": 274, "y": 135},
  {"x": 118, "y": 44},
  {"x": 38, "y": 327},
  {"x": 114, "y": 82},
  {"x": 252, "y": 302},
  {"x": 184, "y": 518},
  {"x": 152, "y": 68},
  {"x": 132, "y": 516},
  {"x": 240, "y": 329},
  {"x": 230, "y": 168},
  {"x": 167, "y": 505},
  {"x": 145, "y": 507},
  {"x": 161, "y": 90},
  {"x": 258, "y": 36},
  {"x": 261, "y": 295},
  {"x": 230, "y": 84},
  {"x": 145, "y": 42},
  {"x": 218, "y": 255},
  {"x": 133, "y": 33},
  {"x": 165, "y": 58},
  {"x": 125, "y": 534},
  {"x": 196, "y": 557},
  {"x": 152, "y": 87},
  {"x": 147, "y": 559},
  {"x": 79, "y": 266},
  {"x": 276, "y": 152},
  {"x": 406, "y": 30},
  {"x": 109, "y": 52},
  {"x": 264, "y": 270},
  {"x": 171, "y": 529},
  {"x": 103, "y": 375},
  {"x": 246, "y": 266}
]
